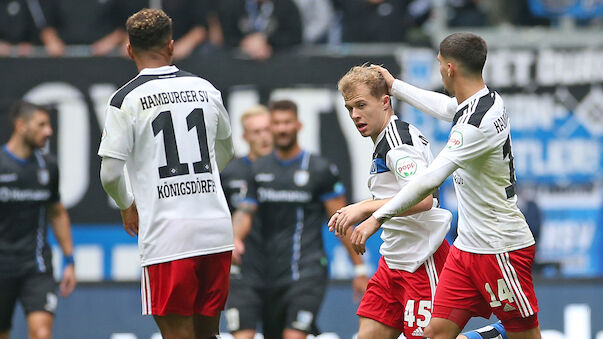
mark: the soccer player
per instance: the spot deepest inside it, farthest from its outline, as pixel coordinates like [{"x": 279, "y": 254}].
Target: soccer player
[
  {"x": 29, "y": 182},
  {"x": 173, "y": 131},
  {"x": 489, "y": 268},
  {"x": 284, "y": 266},
  {"x": 400, "y": 294}
]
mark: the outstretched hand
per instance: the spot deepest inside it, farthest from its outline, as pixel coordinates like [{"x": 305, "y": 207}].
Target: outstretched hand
[
  {"x": 389, "y": 78},
  {"x": 346, "y": 217},
  {"x": 362, "y": 232}
]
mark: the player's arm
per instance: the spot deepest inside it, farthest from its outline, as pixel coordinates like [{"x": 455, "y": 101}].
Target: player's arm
[
  {"x": 242, "y": 220},
  {"x": 59, "y": 220},
  {"x": 437, "y": 105},
  {"x": 113, "y": 179},
  {"x": 360, "y": 270},
  {"x": 224, "y": 146},
  {"x": 350, "y": 215},
  {"x": 413, "y": 193}
]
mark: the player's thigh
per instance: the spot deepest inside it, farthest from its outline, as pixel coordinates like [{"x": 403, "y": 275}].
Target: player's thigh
[
  {"x": 9, "y": 291},
  {"x": 369, "y": 328},
  {"x": 175, "y": 326},
  {"x": 213, "y": 274},
  {"x": 38, "y": 293},
  {"x": 39, "y": 324},
  {"x": 243, "y": 307},
  {"x": 440, "y": 328},
  {"x": 303, "y": 300}
]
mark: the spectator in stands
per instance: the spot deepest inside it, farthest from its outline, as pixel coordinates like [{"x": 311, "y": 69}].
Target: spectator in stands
[
  {"x": 380, "y": 20},
  {"x": 258, "y": 27},
  {"x": 190, "y": 24},
  {"x": 23, "y": 23},
  {"x": 317, "y": 18},
  {"x": 96, "y": 23},
  {"x": 466, "y": 13}
]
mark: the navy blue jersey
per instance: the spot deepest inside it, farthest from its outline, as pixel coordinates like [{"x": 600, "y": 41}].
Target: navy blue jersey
[
  {"x": 290, "y": 195},
  {"x": 27, "y": 186}
]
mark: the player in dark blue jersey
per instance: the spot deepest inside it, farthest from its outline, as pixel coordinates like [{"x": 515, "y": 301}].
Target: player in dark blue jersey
[
  {"x": 284, "y": 274},
  {"x": 29, "y": 194}
]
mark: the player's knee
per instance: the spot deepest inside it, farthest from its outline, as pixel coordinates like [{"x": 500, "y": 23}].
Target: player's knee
[{"x": 41, "y": 332}]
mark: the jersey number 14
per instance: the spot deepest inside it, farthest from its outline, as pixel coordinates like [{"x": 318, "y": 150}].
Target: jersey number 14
[{"x": 163, "y": 122}]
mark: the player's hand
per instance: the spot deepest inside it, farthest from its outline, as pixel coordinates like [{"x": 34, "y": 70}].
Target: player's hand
[
  {"x": 389, "y": 78},
  {"x": 129, "y": 216},
  {"x": 237, "y": 254},
  {"x": 362, "y": 232},
  {"x": 68, "y": 282},
  {"x": 359, "y": 285},
  {"x": 348, "y": 217}
]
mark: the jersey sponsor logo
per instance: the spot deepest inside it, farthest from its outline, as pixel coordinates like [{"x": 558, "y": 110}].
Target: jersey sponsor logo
[
  {"x": 15, "y": 194},
  {"x": 10, "y": 177},
  {"x": 455, "y": 141},
  {"x": 188, "y": 187},
  {"x": 334, "y": 170},
  {"x": 406, "y": 167},
  {"x": 270, "y": 194},
  {"x": 43, "y": 176},
  {"x": 264, "y": 177},
  {"x": 301, "y": 177}
]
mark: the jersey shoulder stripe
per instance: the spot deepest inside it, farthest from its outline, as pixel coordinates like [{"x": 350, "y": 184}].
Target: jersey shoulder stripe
[
  {"x": 119, "y": 96},
  {"x": 473, "y": 113},
  {"x": 402, "y": 128}
]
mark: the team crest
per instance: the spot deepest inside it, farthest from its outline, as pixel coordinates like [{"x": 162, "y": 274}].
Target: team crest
[
  {"x": 43, "y": 176},
  {"x": 301, "y": 177}
]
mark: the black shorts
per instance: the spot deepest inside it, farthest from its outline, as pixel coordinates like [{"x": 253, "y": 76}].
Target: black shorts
[
  {"x": 294, "y": 306},
  {"x": 35, "y": 291}
]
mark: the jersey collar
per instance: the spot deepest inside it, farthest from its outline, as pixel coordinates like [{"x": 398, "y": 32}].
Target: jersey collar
[
  {"x": 380, "y": 136},
  {"x": 478, "y": 94},
  {"x": 17, "y": 159},
  {"x": 159, "y": 70}
]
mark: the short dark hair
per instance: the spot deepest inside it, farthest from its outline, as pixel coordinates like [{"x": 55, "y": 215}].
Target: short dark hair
[
  {"x": 149, "y": 28},
  {"x": 467, "y": 48},
  {"x": 24, "y": 110},
  {"x": 283, "y": 105}
]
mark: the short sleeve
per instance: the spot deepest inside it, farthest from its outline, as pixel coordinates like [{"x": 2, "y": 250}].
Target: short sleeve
[
  {"x": 224, "y": 130},
  {"x": 117, "y": 139},
  {"x": 406, "y": 162},
  {"x": 465, "y": 143},
  {"x": 331, "y": 186}
]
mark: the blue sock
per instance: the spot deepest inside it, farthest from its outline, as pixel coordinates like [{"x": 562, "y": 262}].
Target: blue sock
[{"x": 494, "y": 331}]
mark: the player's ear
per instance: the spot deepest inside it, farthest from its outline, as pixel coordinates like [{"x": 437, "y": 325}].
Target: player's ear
[
  {"x": 171, "y": 47},
  {"x": 130, "y": 53},
  {"x": 386, "y": 101}
]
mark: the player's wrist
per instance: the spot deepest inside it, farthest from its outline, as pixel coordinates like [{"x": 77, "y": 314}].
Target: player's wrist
[
  {"x": 360, "y": 270},
  {"x": 68, "y": 260}
]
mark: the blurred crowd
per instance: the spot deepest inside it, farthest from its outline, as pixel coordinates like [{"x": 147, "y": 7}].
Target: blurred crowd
[{"x": 257, "y": 28}]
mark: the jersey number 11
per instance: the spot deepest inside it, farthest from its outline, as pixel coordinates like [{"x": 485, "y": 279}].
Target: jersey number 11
[{"x": 163, "y": 122}]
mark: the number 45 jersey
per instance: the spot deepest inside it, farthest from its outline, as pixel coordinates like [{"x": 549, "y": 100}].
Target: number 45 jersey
[
  {"x": 480, "y": 144},
  {"x": 165, "y": 124}
]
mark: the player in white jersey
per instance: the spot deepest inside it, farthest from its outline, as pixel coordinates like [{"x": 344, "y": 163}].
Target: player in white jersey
[
  {"x": 400, "y": 294},
  {"x": 173, "y": 132},
  {"x": 489, "y": 266}
]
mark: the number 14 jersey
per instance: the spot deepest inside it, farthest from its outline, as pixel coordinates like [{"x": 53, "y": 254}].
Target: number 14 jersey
[
  {"x": 480, "y": 144},
  {"x": 165, "y": 123}
]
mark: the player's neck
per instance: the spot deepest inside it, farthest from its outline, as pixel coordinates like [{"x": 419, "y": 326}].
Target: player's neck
[
  {"x": 467, "y": 87},
  {"x": 152, "y": 61},
  {"x": 17, "y": 147},
  {"x": 288, "y": 153}
]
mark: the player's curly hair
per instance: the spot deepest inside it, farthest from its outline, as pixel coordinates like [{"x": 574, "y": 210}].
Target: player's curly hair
[
  {"x": 363, "y": 74},
  {"x": 468, "y": 49},
  {"x": 149, "y": 28}
]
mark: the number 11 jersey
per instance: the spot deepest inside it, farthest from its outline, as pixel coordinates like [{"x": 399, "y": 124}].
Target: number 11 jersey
[
  {"x": 480, "y": 144},
  {"x": 165, "y": 123}
]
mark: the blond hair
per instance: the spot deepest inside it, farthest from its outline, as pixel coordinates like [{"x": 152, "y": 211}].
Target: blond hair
[
  {"x": 254, "y": 111},
  {"x": 363, "y": 74}
]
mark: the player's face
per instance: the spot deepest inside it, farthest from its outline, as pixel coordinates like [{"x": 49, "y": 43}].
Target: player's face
[
  {"x": 370, "y": 114},
  {"x": 445, "y": 72},
  {"x": 284, "y": 126},
  {"x": 37, "y": 129},
  {"x": 257, "y": 134}
]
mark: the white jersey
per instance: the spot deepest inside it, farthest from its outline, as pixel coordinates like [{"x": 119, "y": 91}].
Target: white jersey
[
  {"x": 165, "y": 124},
  {"x": 480, "y": 144},
  {"x": 400, "y": 154}
]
